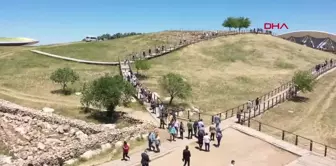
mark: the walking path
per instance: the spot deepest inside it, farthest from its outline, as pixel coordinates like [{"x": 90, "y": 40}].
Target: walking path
[{"x": 166, "y": 148}]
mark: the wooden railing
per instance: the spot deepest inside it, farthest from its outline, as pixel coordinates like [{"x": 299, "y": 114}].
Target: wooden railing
[{"x": 293, "y": 138}]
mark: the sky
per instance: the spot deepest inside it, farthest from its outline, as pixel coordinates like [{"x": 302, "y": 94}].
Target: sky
[{"x": 51, "y": 21}]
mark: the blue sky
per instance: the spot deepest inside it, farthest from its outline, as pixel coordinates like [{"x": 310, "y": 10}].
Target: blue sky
[{"x": 51, "y": 21}]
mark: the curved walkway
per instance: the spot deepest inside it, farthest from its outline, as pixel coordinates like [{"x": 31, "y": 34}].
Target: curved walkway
[{"x": 153, "y": 55}]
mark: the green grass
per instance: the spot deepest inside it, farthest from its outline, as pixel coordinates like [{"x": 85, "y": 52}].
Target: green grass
[
  {"x": 228, "y": 71},
  {"x": 25, "y": 76},
  {"x": 111, "y": 50}
]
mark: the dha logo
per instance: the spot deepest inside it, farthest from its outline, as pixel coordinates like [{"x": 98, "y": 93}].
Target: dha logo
[{"x": 268, "y": 25}]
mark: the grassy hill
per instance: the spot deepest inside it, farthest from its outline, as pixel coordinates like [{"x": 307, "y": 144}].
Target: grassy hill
[
  {"x": 24, "y": 76},
  {"x": 110, "y": 50},
  {"x": 314, "y": 118},
  {"x": 228, "y": 71},
  {"x": 224, "y": 72}
]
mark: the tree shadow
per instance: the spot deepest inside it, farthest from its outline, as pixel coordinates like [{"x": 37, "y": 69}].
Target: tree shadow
[
  {"x": 141, "y": 76},
  {"x": 66, "y": 92},
  {"x": 106, "y": 117},
  {"x": 299, "y": 99}
]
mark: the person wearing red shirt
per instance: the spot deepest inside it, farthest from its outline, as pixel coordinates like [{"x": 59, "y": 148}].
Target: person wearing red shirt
[{"x": 125, "y": 151}]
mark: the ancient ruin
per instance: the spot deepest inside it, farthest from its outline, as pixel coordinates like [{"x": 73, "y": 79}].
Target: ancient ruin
[{"x": 32, "y": 136}]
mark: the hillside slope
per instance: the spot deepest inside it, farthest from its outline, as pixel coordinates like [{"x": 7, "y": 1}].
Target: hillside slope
[
  {"x": 110, "y": 50},
  {"x": 228, "y": 71}
]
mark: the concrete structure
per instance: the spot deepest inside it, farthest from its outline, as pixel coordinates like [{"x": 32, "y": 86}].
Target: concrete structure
[
  {"x": 17, "y": 41},
  {"x": 314, "y": 39}
]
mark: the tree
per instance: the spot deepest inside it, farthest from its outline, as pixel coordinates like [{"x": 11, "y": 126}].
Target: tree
[
  {"x": 230, "y": 22},
  {"x": 304, "y": 81},
  {"x": 246, "y": 22},
  {"x": 175, "y": 85},
  {"x": 243, "y": 22},
  {"x": 142, "y": 65},
  {"x": 107, "y": 92},
  {"x": 64, "y": 76}
]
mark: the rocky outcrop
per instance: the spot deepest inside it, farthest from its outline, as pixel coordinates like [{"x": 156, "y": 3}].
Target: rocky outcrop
[{"x": 46, "y": 138}]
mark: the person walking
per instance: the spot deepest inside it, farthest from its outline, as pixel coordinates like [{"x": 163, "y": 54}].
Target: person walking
[
  {"x": 125, "y": 151},
  {"x": 151, "y": 139},
  {"x": 145, "y": 159},
  {"x": 232, "y": 163},
  {"x": 181, "y": 130},
  {"x": 186, "y": 156},
  {"x": 195, "y": 127},
  {"x": 200, "y": 138},
  {"x": 219, "y": 137},
  {"x": 212, "y": 130},
  {"x": 217, "y": 120},
  {"x": 172, "y": 132},
  {"x": 157, "y": 143},
  {"x": 190, "y": 129},
  {"x": 207, "y": 142}
]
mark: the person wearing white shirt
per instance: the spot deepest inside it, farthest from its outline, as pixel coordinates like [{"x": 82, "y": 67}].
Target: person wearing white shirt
[{"x": 206, "y": 140}]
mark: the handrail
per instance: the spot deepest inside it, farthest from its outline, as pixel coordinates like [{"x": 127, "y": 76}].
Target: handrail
[{"x": 326, "y": 147}]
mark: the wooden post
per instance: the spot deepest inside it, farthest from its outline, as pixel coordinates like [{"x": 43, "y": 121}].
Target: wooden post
[
  {"x": 259, "y": 128},
  {"x": 283, "y": 134},
  {"x": 296, "y": 139},
  {"x": 188, "y": 114},
  {"x": 311, "y": 145},
  {"x": 325, "y": 150},
  {"x": 226, "y": 114}
]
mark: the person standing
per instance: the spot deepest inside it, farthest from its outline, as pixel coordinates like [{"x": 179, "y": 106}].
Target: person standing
[
  {"x": 212, "y": 130},
  {"x": 207, "y": 142},
  {"x": 186, "y": 156},
  {"x": 125, "y": 151},
  {"x": 181, "y": 130},
  {"x": 190, "y": 129},
  {"x": 145, "y": 159}
]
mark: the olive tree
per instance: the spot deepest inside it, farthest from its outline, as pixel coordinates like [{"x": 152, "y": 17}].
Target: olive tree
[
  {"x": 107, "y": 92},
  {"x": 64, "y": 76},
  {"x": 175, "y": 86}
]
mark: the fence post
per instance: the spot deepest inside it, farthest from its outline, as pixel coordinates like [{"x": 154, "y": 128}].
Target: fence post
[
  {"x": 226, "y": 114},
  {"x": 248, "y": 122},
  {"x": 296, "y": 139},
  {"x": 212, "y": 118},
  {"x": 283, "y": 134},
  {"x": 188, "y": 114},
  {"x": 259, "y": 108},
  {"x": 325, "y": 150},
  {"x": 311, "y": 145},
  {"x": 268, "y": 104},
  {"x": 232, "y": 112},
  {"x": 272, "y": 102},
  {"x": 243, "y": 122},
  {"x": 259, "y": 128},
  {"x": 199, "y": 116}
]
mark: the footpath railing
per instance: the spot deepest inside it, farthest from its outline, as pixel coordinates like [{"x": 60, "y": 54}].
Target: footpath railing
[{"x": 295, "y": 139}]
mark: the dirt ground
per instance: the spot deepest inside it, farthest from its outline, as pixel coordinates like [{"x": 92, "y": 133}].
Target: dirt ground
[{"x": 245, "y": 150}]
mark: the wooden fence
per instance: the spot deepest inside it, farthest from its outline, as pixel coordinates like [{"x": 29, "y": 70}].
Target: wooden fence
[{"x": 293, "y": 138}]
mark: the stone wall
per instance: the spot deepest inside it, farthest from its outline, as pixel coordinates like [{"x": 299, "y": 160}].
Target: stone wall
[{"x": 50, "y": 139}]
